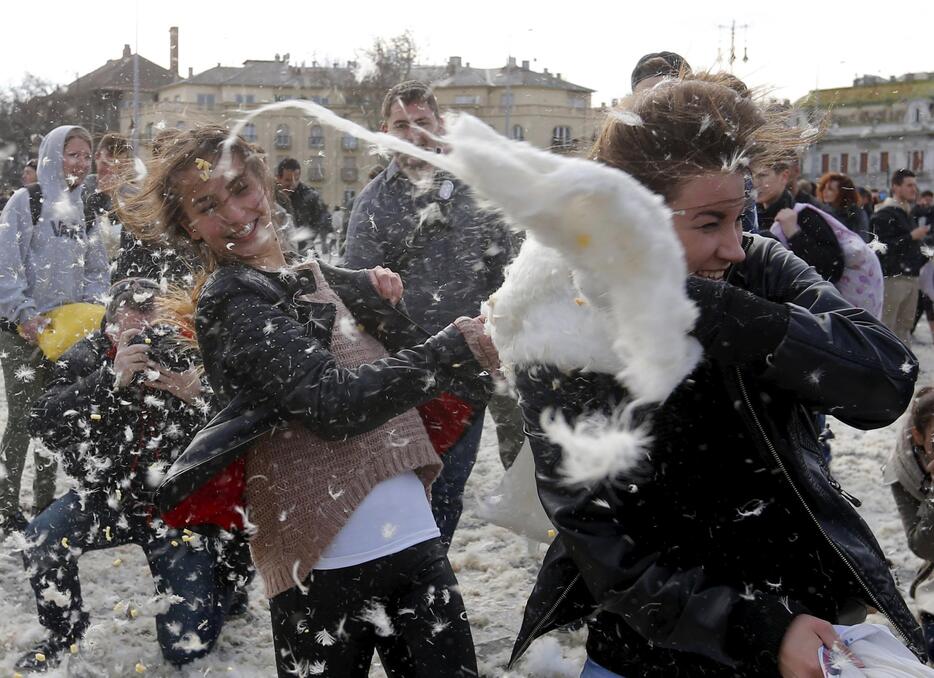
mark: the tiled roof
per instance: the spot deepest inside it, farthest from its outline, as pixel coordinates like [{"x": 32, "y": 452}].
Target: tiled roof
[
  {"x": 117, "y": 74},
  {"x": 273, "y": 74},
  {"x": 512, "y": 76}
]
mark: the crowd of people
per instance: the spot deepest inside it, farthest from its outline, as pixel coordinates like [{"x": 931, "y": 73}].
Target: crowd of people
[{"x": 224, "y": 396}]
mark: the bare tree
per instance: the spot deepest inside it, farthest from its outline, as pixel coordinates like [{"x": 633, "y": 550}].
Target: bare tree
[
  {"x": 27, "y": 112},
  {"x": 387, "y": 62}
]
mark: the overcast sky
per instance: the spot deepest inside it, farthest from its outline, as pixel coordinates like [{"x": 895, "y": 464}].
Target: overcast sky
[{"x": 590, "y": 43}]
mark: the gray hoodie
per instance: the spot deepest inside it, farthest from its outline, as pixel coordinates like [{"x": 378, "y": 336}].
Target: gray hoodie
[{"x": 59, "y": 260}]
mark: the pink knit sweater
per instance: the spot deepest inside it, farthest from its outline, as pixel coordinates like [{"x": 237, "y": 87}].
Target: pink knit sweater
[{"x": 301, "y": 489}]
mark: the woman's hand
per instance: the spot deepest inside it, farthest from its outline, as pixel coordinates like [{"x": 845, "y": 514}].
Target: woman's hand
[
  {"x": 387, "y": 284},
  {"x": 183, "y": 385},
  {"x": 32, "y": 328},
  {"x": 788, "y": 220},
  {"x": 797, "y": 656}
]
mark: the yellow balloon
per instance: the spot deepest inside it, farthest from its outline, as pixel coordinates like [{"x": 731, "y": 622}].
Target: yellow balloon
[{"x": 69, "y": 325}]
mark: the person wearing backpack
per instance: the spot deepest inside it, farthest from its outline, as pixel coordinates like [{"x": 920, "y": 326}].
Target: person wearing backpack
[{"x": 48, "y": 257}]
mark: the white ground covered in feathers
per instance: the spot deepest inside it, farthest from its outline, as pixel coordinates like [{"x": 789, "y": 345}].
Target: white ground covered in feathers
[{"x": 496, "y": 570}]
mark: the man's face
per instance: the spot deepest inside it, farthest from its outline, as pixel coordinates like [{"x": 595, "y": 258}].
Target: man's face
[
  {"x": 416, "y": 123},
  {"x": 769, "y": 185},
  {"x": 907, "y": 191},
  {"x": 289, "y": 179},
  {"x": 109, "y": 169}
]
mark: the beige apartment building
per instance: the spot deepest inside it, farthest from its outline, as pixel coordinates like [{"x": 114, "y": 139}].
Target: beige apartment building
[{"x": 540, "y": 108}]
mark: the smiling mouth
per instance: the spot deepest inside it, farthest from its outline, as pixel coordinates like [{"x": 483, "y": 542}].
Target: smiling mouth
[
  {"x": 712, "y": 275},
  {"x": 244, "y": 231}
]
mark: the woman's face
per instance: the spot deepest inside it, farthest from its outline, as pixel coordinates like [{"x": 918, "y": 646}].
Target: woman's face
[
  {"x": 707, "y": 220},
  {"x": 230, "y": 213},
  {"x": 925, "y": 439},
  {"x": 76, "y": 162},
  {"x": 830, "y": 192}
]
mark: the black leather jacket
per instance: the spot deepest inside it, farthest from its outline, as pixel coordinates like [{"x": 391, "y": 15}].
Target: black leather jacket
[
  {"x": 674, "y": 567},
  {"x": 266, "y": 353},
  {"x": 112, "y": 439}
]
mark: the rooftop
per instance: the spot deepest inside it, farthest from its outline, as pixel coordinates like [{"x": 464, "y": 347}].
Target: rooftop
[
  {"x": 275, "y": 73},
  {"x": 454, "y": 74},
  {"x": 117, "y": 74},
  {"x": 870, "y": 89}
]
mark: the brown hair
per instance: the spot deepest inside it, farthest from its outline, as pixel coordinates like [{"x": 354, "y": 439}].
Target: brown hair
[
  {"x": 847, "y": 197},
  {"x": 408, "y": 92},
  {"x": 117, "y": 145},
  {"x": 694, "y": 125},
  {"x": 77, "y": 132},
  {"x": 156, "y": 211},
  {"x": 922, "y": 408}
]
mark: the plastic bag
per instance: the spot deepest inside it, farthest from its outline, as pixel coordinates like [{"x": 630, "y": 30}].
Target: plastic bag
[{"x": 515, "y": 505}]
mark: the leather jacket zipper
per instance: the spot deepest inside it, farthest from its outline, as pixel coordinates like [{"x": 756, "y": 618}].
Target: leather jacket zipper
[
  {"x": 544, "y": 619},
  {"x": 807, "y": 509}
]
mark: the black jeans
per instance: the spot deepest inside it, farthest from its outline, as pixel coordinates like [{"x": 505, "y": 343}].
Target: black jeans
[{"x": 406, "y": 606}]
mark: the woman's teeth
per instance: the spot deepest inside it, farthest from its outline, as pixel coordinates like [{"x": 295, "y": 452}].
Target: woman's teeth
[
  {"x": 711, "y": 275},
  {"x": 243, "y": 231}
]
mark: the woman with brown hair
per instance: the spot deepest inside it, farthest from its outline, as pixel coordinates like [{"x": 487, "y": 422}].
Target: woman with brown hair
[
  {"x": 731, "y": 550},
  {"x": 320, "y": 417},
  {"x": 838, "y": 192},
  {"x": 909, "y": 474}
]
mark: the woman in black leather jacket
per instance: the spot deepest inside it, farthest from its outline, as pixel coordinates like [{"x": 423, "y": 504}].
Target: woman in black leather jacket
[
  {"x": 319, "y": 379},
  {"x": 732, "y": 550}
]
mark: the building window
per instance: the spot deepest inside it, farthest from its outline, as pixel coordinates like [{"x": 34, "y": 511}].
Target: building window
[
  {"x": 181, "y": 125},
  {"x": 316, "y": 169},
  {"x": 518, "y": 133},
  {"x": 561, "y": 136},
  {"x": 917, "y": 161},
  {"x": 884, "y": 161},
  {"x": 283, "y": 136},
  {"x": 244, "y": 98},
  {"x": 249, "y": 132},
  {"x": 321, "y": 101},
  {"x": 206, "y": 101},
  {"x": 349, "y": 142},
  {"x": 349, "y": 196},
  {"x": 507, "y": 100},
  {"x": 316, "y": 136},
  {"x": 863, "y": 163},
  {"x": 577, "y": 102},
  {"x": 824, "y": 163},
  {"x": 466, "y": 100},
  {"x": 844, "y": 163},
  {"x": 349, "y": 169},
  {"x": 147, "y": 134}
]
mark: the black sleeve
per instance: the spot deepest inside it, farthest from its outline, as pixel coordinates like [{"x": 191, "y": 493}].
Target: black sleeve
[
  {"x": 301, "y": 375},
  {"x": 834, "y": 357},
  {"x": 818, "y": 246},
  {"x": 81, "y": 386},
  {"x": 918, "y": 521},
  {"x": 670, "y": 602}
]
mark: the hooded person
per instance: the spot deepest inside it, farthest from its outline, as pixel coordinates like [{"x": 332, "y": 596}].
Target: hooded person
[{"x": 49, "y": 257}]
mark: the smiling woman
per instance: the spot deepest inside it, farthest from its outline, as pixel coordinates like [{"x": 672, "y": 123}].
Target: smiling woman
[
  {"x": 299, "y": 356},
  {"x": 727, "y": 551}
]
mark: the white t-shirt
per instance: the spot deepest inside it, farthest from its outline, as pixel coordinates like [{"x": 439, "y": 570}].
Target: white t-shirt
[{"x": 394, "y": 516}]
